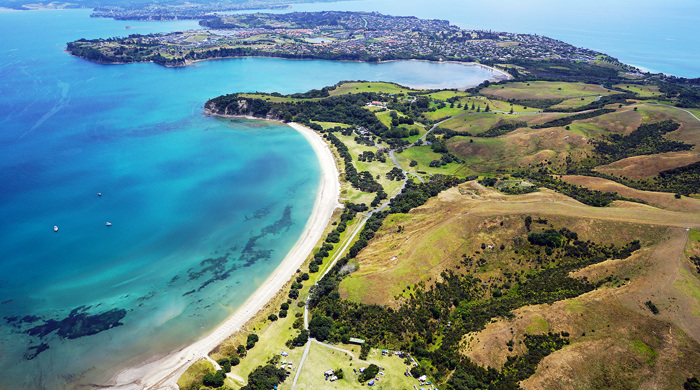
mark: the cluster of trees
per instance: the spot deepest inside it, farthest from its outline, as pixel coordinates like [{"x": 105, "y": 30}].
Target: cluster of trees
[
  {"x": 684, "y": 91},
  {"x": 570, "y": 119},
  {"x": 648, "y": 138},
  {"x": 347, "y": 109},
  {"x": 265, "y": 378},
  {"x": 349, "y": 214},
  {"x": 550, "y": 238},
  {"x": 683, "y": 180},
  {"x": 363, "y": 181},
  {"x": 696, "y": 262},
  {"x": 652, "y": 307},
  {"x": 503, "y": 127},
  {"x": 395, "y": 174},
  {"x": 562, "y": 70},
  {"x": 582, "y": 194},
  {"x": 369, "y": 373}
]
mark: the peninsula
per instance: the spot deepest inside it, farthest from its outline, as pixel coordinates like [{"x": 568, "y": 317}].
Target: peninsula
[{"x": 354, "y": 36}]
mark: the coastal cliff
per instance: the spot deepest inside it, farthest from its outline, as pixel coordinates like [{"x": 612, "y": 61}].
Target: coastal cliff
[{"x": 241, "y": 107}]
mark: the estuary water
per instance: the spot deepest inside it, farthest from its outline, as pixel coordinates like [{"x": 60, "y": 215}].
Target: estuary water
[{"x": 201, "y": 209}]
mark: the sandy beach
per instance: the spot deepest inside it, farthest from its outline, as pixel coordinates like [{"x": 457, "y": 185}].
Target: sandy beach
[{"x": 163, "y": 372}]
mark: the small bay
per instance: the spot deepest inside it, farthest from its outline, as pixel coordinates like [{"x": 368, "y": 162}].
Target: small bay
[{"x": 202, "y": 209}]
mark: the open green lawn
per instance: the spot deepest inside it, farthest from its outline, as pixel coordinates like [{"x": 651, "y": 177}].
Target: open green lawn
[
  {"x": 444, "y": 95},
  {"x": 576, "y": 102},
  {"x": 330, "y": 125},
  {"x": 273, "y": 99},
  {"x": 642, "y": 90},
  {"x": 476, "y": 124},
  {"x": 544, "y": 90},
  {"x": 369, "y": 87},
  {"x": 322, "y": 358},
  {"x": 443, "y": 113},
  {"x": 424, "y": 155},
  {"x": 384, "y": 117},
  {"x": 273, "y": 336}
]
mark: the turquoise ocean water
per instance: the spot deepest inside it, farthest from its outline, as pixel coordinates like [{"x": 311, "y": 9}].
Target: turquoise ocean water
[{"x": 202, "y": 209}]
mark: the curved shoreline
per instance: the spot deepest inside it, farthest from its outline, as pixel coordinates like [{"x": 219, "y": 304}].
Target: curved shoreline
[
  {"x": 163, "y": 372},
  {"x": 503, "y": 75}
]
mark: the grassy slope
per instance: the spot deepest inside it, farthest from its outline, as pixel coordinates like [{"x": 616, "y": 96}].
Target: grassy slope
[
  {"x": 544, "y": 90},
  {"x": 645, "y": 166},
  {"x": 607, "y": 325},
  {"x": 369, "y": 87},
  {"x": 192, "y": 378}
]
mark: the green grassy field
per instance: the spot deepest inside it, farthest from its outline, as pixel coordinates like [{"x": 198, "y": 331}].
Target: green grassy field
[
  {"x": 444, "y": 95},
  {"x": 322, "y": 358},
  {"x": 443, "y": 113},
  {"x": 641, "y": 90},
  {"x": 191, "y": 379},
  {"x": 423, "y": 155},
  {"x": 369, "y": 87},
  {"x": 477, "y": 123},
  {"x": 330, "y": 125},
  {"x": 576, "y": 102},
  {"x": 544, "y": 90}
]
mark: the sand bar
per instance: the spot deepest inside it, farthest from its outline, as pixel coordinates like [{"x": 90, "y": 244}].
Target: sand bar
[{"x": 163, "y": 372}]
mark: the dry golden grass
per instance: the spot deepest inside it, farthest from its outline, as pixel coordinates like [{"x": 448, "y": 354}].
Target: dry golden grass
[
  {"x": 642, "y": 167},
  {"x": 623, "y": 121},
  {"x": 616, "y": 342},
  {"x": 435, "y": 236},
  {"x": 521, "y": 148},
  {"x": 662, "y": 200}
]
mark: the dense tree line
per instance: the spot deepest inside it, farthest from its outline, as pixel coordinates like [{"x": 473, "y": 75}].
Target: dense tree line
[
  {"x": 618, "y": 98},
  {"x": 502, "y": 127},
  {"x": 582, "y": 194},
  {"x": 570, "y": 119},
  {"x": 348, "y": 109}
]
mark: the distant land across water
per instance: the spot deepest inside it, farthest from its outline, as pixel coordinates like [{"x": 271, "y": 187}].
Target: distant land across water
[{"x": 658, "y": 36}]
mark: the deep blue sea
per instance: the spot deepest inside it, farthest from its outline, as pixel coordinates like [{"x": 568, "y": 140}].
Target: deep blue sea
[{"x": 202, "y": 209}]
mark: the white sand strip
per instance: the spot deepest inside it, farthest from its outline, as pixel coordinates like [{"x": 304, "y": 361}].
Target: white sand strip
[{"x": 163, "y": 372}]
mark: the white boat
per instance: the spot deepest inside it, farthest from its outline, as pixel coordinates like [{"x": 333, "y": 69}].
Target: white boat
[
  {"x": 109, "y": 224},
  {"x": 99, "y": 194},
  {"x": 55, "y": 228}
]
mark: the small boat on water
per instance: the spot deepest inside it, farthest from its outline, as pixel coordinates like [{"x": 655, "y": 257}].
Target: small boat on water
[
  {"x": 109, "y": 224},
  {"x": 99, "y": 194},
  {"x": 55, "y": 228}
]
